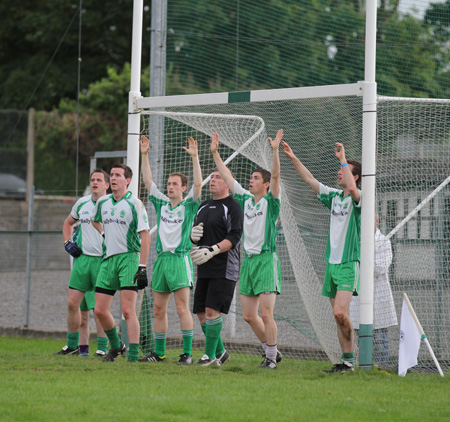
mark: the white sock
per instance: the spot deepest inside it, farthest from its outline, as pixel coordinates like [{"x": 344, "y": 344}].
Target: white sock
[
  {"x": 271, "y": 352},
  {"x": 264, "y": 345}
]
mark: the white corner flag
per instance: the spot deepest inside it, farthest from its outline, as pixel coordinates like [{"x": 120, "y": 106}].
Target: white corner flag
[
  {"x": 409, "y": 346},
  {"x": 411, "y": 332}
]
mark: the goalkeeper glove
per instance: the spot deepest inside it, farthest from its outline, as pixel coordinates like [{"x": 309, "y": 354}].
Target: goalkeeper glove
[
  {"x": 141, "y": 277},
  {"x": 197, "y": 233},
  {"x": 203, "y": 254},
  {"x": 72, "y": 248}
]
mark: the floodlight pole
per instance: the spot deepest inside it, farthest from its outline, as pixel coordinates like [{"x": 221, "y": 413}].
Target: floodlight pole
[{"x": 368, "y": 190}]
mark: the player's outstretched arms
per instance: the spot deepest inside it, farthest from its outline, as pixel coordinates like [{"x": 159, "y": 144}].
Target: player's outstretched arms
[
  {"x": 146, "y": 171},
  {"x": 301, "y": 169},
  {"x": 275, "y": 170},
  {"x": 223, "y": 170},
  {"x": 347, "y": 174},
  {"x": 193, "y": 152}
]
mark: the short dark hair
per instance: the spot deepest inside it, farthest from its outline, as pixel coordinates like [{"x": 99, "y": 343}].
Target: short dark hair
[
  {"x": 216, "y": 170},
  {"x": 97, "y": 170},
  {"x": 128, "y": 172},
  {"x": 183, "y": 177},
  {"x": 356, "y": 170},
  {"x": 264, "y": 173}
]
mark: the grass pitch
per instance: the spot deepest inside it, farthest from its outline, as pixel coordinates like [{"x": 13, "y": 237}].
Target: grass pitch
[{"x": 37, "y": 386}]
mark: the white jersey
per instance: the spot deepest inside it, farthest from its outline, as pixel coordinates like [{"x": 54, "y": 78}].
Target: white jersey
[
  {"x": 384, "y": 314},
  {"x": 174, "y": 224},
  {"x": 88, "y": 239},
  {"x": 260, "y": 232},
  {"x": 122, "y": 221},
  {"x": 344, "y": 237}
]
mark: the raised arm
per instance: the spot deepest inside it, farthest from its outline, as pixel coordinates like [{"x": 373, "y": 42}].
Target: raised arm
[
  {"x": 347, "y": 174},
  {"x": 223, "y": 170},
  {"x": 146, "y": 171},
  {"x": 193, "y": 152},
  {"x": 275, "y": 171},
  {"x": 300, "y": 168}
]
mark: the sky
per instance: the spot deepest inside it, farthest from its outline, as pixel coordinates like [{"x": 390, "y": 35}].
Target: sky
[{"x": 420, "y": 5}]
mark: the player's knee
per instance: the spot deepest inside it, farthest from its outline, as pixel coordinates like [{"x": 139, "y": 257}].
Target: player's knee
[
  {"x": 249, "y": 318},
  {"x": 340, "y": 317},
  {"x": 266, "y": 316}
]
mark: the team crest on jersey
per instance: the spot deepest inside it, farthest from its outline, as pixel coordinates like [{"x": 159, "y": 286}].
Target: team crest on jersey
[{"x": 122, "y": 214}]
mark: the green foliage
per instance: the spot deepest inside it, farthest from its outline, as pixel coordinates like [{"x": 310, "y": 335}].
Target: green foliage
[{"x": 40, "y": 387}]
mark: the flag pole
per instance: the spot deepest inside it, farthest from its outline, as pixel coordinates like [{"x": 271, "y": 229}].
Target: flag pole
[{"x": 422, "y": 333}]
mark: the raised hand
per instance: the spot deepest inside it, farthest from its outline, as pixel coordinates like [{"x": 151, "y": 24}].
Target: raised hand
[
  {"x": 340, "y": 152},
  {"x": 193, "y": 147},
  {"x": 276, "y": 142},
  {"x": 287, "y": 150},
  {"x": 145, "y": 144},
  {"x": 215, "y": 142}
]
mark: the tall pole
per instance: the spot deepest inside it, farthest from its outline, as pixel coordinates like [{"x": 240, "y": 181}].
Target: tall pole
[
  {"x": 157, "y": 85},
  {"x": 135, "y": 92},
  {"x": 368, "y": 190}
]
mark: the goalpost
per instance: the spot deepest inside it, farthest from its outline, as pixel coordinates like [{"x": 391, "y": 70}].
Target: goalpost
[
  {"x": 313, "y": 119},
  {"x": 312, "y": 125}
]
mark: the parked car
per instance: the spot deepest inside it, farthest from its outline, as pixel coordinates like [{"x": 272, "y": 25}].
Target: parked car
[{"x": 12, "y": 186}]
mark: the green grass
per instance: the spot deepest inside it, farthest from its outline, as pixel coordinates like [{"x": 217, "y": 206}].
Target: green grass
[{"x": 37, "y": 386}]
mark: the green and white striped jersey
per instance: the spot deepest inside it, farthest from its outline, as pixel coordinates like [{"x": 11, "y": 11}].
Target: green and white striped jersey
[
  {"x": 260, "y": 232},
  {"x": 88, "y": 239},
  {"x": 344, "y": 237},
  {"x": 174, "y": 224},
  {"x": 122, "y": 222}
]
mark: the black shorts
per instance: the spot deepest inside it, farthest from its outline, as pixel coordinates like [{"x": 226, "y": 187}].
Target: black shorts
[{"x": 214, "y": 293}]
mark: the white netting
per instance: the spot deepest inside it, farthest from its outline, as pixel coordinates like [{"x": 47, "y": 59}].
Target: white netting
[{"x": 412, "y": 160}]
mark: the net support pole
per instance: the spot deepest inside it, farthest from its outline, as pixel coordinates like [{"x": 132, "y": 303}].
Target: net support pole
[
  {"x": 134, "y": 119},
  {"x": 368, "y": 190},
  {"x": 135, "y": 87}
]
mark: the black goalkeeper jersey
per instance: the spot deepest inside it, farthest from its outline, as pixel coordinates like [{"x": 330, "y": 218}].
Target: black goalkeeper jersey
[{"x": 222, "y": 219}]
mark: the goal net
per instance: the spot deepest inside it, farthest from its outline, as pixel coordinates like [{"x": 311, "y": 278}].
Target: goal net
[{"x": 312, "y": 126}]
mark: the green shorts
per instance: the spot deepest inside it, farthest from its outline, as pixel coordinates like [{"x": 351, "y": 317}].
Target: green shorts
[
  {"x": 341, "y": 277},
  {"x": 260, "y": 274},
  {"x": 84, "y": 272},
  {"x": 88, "y": 301},
  {"x": 118, "y": 271},
  {"x": 172, "y": 272}
]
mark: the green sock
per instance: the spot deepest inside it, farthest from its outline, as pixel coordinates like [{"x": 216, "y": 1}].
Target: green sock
[
  {"x": 348, "y": 357},
  {"x": 203, "y": 325},
  {"x": 187, "y": 341},
  {"x": 133, "y": 352},
  {"x": 102, "y": 344},
  {"x": 160, "y": 344},
  {"x": 220, "y": 347},
  {"x": 72, "y": 340},
  {"x": 113, "y": 337},
  {"x": 213, "y": 329}
]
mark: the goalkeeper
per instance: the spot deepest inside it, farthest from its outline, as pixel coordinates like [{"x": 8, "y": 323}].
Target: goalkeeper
[
  {"x": 260, "y": 279},
  {"x": 86, "y": 247},
  {"x": 218, "y": 232},
  {"x": 173, "y": 269},
  {"x": 341, "y": 279}
]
